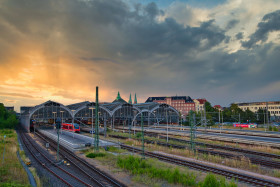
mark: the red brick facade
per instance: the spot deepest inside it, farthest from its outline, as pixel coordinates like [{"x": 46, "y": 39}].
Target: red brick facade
[{"x": 182, "y": 104}]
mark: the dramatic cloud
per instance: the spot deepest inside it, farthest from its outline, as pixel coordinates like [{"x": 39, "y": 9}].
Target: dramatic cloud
[
  {"x": 61, "y": 50},
  {"x": 239, "y": 36},
  {"x": 269, "y": 23},
  {"x": 232, "y": 23}
]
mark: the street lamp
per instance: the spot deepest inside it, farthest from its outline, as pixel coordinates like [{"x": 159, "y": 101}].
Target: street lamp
[{"x": 91, "y": 108}]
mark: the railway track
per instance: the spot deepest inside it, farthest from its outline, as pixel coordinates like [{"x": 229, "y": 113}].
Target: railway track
[
  {"x": 198, "y": 166},
  {"x": 275, "y": 146},
  {"x": 90, "y": 171},
  {"x": 61, "y": 172},
  {"x": 160, "y": 135},
  {"x": 229, "y": 148},
  {"x": 225, "y": 131},
  {"x": 253, "y": 159}
]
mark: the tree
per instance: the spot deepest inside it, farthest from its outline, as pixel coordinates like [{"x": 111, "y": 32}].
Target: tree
[
  {"x": 7, "y": 119},
  {"x": 261, "y": 116}
]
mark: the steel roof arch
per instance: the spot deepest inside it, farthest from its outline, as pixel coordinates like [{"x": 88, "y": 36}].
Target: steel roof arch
[
  {"x": 38, "y": 107},
  {"x": 87, "y": 105},
  {"x": 121, "y": 105}
]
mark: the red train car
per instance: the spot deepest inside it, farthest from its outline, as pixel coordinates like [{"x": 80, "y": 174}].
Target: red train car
[
  {"x": 71, "y": 127},
  {"x": 245, "y": 125}
]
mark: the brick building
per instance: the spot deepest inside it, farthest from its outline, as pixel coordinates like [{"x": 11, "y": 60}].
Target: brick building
[{"x": 183, "y": 104}]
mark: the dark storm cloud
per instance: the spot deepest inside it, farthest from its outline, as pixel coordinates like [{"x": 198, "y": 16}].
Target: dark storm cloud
[
  {"x": 269, "y": 23},
  {"x": 231, "y": 24},
  {"x": 133, "y": 51},
  {"x": 239, "y": 36}
]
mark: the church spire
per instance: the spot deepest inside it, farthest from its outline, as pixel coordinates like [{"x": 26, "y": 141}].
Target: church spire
[
  {"x": 130, "y": 100},
  {"x": 135, "y": 99},
  {"x": 118, "y": 97}
]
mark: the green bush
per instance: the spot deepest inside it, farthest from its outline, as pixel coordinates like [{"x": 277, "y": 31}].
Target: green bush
[
  {"x": 212, "y": 181},
  {"x": 275, "y": 128},
  {"x": 137, "y": 166},
  {"x": 138, "y": 135},
  {"x": 93, "y": 155},
  {"x": 7, "y": 119}
]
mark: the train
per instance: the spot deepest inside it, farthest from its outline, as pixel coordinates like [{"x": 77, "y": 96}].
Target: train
[
  {"x": 71, "y": 127},
  {"x": 245, "y": 125}
]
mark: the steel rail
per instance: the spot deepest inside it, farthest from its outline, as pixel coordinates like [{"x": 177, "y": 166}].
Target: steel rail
[
  {"x": 24, "y": 138},
  {"x": 227, "y": 173},
  {"x": 71, "y": 161},
  {"x": 67, "y": 153},
  {"x": 253, "y": 159},
  {"x": 217, "y": 146}
]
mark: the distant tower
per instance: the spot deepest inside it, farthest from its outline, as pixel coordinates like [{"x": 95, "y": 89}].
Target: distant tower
[
  {"x": 118, "y": 96},
  {"x": 130, "y": 100},
  {"x": 135, "y": 99}
]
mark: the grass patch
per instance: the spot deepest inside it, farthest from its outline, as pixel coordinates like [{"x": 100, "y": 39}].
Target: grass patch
[
  {"x": 149, "y": 168},
  {"x": 213, "y": 181},
  {"x": 137, "y": 166},
  {"x": 94, "y": 155},
  {"x": 115, "y": 149},
  {"x": 11, "y": 171}
]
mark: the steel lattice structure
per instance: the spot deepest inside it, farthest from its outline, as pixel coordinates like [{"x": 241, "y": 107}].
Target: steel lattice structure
[{"x": 117, "y": 113}]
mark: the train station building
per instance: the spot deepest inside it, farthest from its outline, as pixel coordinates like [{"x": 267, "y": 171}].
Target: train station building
[{"x": 117, "y": 113}]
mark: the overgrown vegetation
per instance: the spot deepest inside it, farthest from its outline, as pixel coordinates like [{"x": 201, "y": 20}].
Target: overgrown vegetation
[
  {"x": 270, "y": 128},
  {"x": 97, "y": 154},
  {"x": 138, "y": 166},
  {"x": 11, "y": 171},
  {"x": 8, "y": 119},
  {"x": 212, "y": 181}
]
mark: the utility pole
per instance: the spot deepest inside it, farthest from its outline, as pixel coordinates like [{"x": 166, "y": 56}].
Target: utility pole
[
  {"x": 267, "y": 118},
  {"x": 143, "y": 143},
  {"x": 239, "y": 118},
  {"x": 96, "y": 138},
  {"x": 105, "y": 125},
  {"x": 166, "y": 127},
  {"x": 204, "y": 118},
  {"x": 219, "y": 116},
  {"x": 192, "y": 130}
]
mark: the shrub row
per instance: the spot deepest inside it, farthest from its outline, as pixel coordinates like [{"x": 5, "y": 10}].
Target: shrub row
[
  {"x": 93, "y": 155},
  {"x": 138, "y": 166}
]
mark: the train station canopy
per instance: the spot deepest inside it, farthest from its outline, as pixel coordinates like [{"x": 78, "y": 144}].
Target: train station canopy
[{"x": 50, "y": 109}]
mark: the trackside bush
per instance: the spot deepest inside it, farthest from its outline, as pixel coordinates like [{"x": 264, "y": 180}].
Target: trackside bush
[
  {"x": 212, "y": 181},
  {"x": 138, "y": 166},
  {"x": 93, "y": 155}
]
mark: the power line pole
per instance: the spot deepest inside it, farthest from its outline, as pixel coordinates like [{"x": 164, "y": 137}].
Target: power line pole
[
  {"x": 267, "y": 118},
  {"x": 96, "y": 138},
  {"x": 143, "y": 143},
  {"x": 192, "y": 130}
]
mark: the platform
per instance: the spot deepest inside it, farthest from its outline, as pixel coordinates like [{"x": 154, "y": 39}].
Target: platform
[{"x": 72, "y": 140}]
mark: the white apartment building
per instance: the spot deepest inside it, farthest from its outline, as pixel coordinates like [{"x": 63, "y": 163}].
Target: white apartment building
[{"x": 273, "y": 107}]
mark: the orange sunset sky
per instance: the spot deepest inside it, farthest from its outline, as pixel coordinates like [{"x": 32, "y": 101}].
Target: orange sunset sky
[{"x": 225, "y": 51}]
